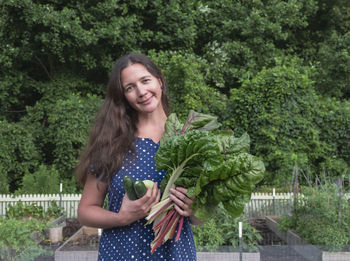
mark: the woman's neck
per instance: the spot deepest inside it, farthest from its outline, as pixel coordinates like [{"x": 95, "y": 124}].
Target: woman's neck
[{"x": 151, "y": 125}]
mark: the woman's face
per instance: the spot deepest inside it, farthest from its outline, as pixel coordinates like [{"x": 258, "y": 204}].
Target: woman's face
[{"x": 141, "y": 89}]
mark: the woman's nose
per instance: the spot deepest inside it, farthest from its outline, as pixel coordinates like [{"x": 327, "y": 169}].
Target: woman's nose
[{"x": 141, "y": 90}]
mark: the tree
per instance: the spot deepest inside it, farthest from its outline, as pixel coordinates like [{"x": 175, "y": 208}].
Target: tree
[{"x": 279, "y": 109}]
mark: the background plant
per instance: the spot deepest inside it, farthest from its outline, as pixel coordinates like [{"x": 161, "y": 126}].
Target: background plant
[
  {"x": 18, "y": 239},
  {"x": 222, "y": 230},
  {"x": 22, "y": 211},
  {"x": 327, "y": 210},
  {"x": 23, "y": 228},
  {"x": 280, "y": 109}
]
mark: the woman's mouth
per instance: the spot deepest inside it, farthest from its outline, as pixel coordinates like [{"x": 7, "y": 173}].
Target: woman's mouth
[{"x": 146, "y": 101}]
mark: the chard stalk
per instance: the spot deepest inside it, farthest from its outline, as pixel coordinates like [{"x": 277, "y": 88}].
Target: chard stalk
[
  {"x": 172, "y": 228},
  {"x": 165, "y": 233},
  {"x": 165, "y": 219},
  {"x": 176, "y": 173},
  {"x": 179, "y": 228},
  {"x": 159, "y": 208}
]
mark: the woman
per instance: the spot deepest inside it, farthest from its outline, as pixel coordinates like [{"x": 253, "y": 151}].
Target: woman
[{"x": 124, "y": 141}]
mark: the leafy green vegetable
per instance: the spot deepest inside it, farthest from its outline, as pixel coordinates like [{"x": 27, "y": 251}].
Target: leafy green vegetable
[
  {"x": 218, "y": 166},
  {"x": 212, "y": 164}
]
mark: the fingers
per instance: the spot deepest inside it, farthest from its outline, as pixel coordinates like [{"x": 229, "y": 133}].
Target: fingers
[
  {"x": 140, "y": 208},
  {"x": 183, "y": 204},
  {"x": 151, "y": 197}
]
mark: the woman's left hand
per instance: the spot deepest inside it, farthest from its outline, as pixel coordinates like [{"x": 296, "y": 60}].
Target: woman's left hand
[{"x": 183, "y": 204}]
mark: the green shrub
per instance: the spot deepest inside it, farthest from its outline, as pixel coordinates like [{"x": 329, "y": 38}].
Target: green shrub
[
  {"x": 222, "y": 230},
  {"x": 62, "y": 125},
  {"x": 321, "y": 217},
  {"x": 282, "y": 114},
  {"x": 43, "y": 181},
  {"x": 4, "y": 185},
  {"x": 187, "y": 88},
  {"x": 18, "y": 239},
  {"x": 18, "y": 153},
  {"x": 22, "y": 228},
  {"x": 22, "y": 211}
]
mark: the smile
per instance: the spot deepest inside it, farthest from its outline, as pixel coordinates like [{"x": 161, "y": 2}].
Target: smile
[{"x": 147, "y": 101}]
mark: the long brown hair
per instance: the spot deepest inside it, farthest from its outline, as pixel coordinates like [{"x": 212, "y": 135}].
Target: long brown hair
[{"x": 114, "y": 129}]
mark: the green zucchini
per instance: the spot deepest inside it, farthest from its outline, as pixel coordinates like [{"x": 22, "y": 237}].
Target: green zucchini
[
  {"x": 140, "y": 188},
  {"x": 128, "y": 183}
]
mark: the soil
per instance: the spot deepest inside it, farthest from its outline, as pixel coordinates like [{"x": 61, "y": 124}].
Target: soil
[
  {"x": 269, "y": 238},
  {"x": 72, "y": 226},
  {"x": 83, "y": 243}
]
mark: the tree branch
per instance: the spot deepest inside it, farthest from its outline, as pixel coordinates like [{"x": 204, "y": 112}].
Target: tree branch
[{"x": 43, "y": 66}]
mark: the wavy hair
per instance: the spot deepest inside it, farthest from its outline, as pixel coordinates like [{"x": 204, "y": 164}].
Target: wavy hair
[{"x": 113, "y": 132}]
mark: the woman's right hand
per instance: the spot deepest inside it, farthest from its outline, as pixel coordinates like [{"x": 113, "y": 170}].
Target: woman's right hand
[{"x": 133, "y": 210}]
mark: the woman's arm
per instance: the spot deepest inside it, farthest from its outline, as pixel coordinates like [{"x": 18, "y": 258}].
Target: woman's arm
[{"x": 91, "y": 211}]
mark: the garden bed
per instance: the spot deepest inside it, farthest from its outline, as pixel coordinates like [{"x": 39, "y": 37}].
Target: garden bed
[
  {"x": 227, "y": 256},
  {"x": 72, "y": 225},
  {"x": 271, "y": 246},
  {"x": 83, "y": 245},
  {"x": 309, "y": 252}
]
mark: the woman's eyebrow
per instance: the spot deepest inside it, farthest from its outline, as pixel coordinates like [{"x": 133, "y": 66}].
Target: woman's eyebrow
[
  {"x": 140, "y": 79},
  {"x": 146, "y": 76}
]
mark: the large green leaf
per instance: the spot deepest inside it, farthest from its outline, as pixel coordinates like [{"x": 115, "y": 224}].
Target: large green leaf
[
  {"x": 172, "y": 127},
  {"x": 197, "y": 148},
  {"x": 199, "y": 121}
]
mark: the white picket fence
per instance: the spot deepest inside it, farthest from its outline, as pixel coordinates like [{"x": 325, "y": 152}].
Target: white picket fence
[
  {"x": 260, "y": 205},
  {"x": 69, "y": 202},
  {"x": 267, "y": 204}
]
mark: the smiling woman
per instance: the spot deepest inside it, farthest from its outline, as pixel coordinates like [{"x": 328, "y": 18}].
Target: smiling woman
[{"x": 123, "y": 141}]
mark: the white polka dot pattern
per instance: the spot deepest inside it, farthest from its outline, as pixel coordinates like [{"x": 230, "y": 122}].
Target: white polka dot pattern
[{"x": 133, "y": 242}]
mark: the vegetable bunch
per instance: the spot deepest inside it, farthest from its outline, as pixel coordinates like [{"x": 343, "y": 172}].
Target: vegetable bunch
[{"x": 212, "y": 164}]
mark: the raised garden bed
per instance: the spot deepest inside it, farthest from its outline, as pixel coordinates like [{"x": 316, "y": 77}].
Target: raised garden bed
[
  {"x": 271, "y": 246},
  {"x": 227, "y": 256},
  {"x": 83, "y": 246},
  {"x": 309, "y": 252}
]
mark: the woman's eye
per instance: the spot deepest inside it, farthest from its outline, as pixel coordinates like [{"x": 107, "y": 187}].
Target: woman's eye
[{"x": 128, "y": 89}]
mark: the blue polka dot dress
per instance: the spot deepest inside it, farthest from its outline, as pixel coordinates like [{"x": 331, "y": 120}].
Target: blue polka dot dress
[{"x": 132, "y": 242}]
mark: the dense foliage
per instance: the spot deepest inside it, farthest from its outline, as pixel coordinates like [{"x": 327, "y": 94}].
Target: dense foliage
[
  {"x": 276, "y": 69},
  {"x": 328, "y": 211},
  {"x": 221, "y": 230},
  {"x": 23, "y": 227}
]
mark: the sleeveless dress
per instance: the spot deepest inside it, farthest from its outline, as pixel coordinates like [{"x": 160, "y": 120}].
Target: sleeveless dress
[{"x": 132, "y": 242}]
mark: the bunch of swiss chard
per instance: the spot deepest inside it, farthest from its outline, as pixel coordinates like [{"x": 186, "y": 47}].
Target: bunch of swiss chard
[{"x": 212, "y": 164}]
